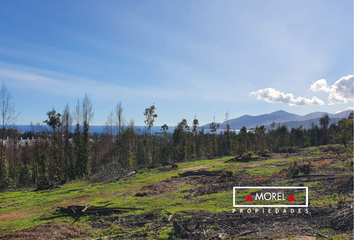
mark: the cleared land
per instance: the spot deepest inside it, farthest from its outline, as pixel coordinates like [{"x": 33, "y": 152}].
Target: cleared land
[{"x": 191, "y": 202}]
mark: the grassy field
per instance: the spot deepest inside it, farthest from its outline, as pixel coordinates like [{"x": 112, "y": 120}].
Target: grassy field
[{"x": 168, "y": 194}]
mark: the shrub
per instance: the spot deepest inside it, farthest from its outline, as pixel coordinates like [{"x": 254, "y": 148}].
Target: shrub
[
  {"x": 292, "y": 150},
  {"x": 335, "y": 149},
  {"x": 295, "y": 168},
  {"x": 263, "y": 153},
  {"x": 305, "y": 168},
  {"x": 344, "y": 184},
  {"x": 288, "y": 150},
  {"x": 247, "y": 155}
]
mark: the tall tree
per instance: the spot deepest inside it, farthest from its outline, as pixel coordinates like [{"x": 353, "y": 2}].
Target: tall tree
[
  {"x": 213, "y": 126},
  {"x": 53, "y": 120},
  {"x": 324, "y": 122},
  {"x": 213, "y": 129},
  {"x": 87, "y": 110},
  {"x": 164, "y": 128},
  {"x": 345, "y": 131},
  {"x": 227, "y": 115},
  {"x": 8, "y": 117},
  {"x": 179, "y": 137},
  {"x": 69, "y": 164},
  {"x": 195, "y": 125},
  {"x": 131, "y": 125},
  {"x": 83, "y": 115},
  {"x": 150, "y": 116},
  {"x": 119, "y": 117},
  {"x": 110, "y": 125},
  {"x": 55, "y": 167},
  {"x": 7, "y": 108},
  {"x": 87, "y": 117}
]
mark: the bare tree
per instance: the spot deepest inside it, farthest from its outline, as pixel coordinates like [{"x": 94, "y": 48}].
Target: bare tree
[
  {"x": 77, "y": 113},
  {"x": 67, "y": 119},
  {"x": 8, "y": 117},
  {"x": 119, "y": 117},
  {"x": 87, "y": 110},
  {"x": 110, "y": 124},
  {"x": 7, "y": 108},
  {"x": 227, "y": 115},
  {"x": 131, "y": 125},
  {"x": 68, "y": 159}
]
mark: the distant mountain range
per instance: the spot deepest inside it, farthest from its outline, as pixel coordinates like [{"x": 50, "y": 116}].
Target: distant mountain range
[{"x": 281, "y": 117}]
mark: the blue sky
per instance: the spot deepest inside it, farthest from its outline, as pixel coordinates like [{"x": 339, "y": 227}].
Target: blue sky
[{"x": 187, "y": 57}]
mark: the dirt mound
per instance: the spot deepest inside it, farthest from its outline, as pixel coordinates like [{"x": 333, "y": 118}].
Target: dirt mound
[
  {"x": 167, "y": 185},
  {"x": 48, "y": 231}
]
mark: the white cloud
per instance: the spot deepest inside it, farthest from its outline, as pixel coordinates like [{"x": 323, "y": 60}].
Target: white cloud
[
  {"x": 274, "y": 96},
  {"x": 320, "y": 85},
  {"x": 342, "y": 90},
  {"x": 349, "y": 108}
]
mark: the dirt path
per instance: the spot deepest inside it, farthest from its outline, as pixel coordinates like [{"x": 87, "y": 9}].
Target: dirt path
[
  {"x": 277, "y": 164},
  {"x": 201, "y": 167},
  {"x": 51, "y": 230},
  {"x": 194, "y": 168}
]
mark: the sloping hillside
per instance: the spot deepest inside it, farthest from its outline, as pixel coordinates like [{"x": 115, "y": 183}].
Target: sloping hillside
[{"x": 193, "y": 201}]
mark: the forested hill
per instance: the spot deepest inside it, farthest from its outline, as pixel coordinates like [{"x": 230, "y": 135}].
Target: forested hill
[{"x": 281, "y": 117}]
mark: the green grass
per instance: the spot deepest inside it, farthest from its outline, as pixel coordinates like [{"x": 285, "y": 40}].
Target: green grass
[{"x": 32, "y": 206}]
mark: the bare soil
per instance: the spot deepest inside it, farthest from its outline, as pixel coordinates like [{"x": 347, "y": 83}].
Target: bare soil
[{"x": 48, "y": 231}]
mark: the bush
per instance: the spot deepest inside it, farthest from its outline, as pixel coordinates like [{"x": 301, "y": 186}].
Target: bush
[
  {"x": 305, "y": 168},
  {"x": 263, "y": 153},
  {"x": 335, "y": 149},
  {"x": 295, "y": 168},
  {"x": 288, "y": 150},
  {"x": 247, "y": 155},
  {"x": 292, "y": 150}
]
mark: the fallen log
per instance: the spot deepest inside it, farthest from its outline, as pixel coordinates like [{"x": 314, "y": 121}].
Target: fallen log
[
  {"x": 86, "y": 208},
  {"x": 9, "y": 205},
  {"x": 246, "y": 232},
  {"x": 130, "y": 174},
  {"x": 41, "y": 187},
  {"x": 78, "y": 211},
  {"x": 201, "y": 173}
]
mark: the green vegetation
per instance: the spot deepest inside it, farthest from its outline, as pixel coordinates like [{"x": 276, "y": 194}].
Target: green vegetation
[
  {"x": 29, "y": 206},
  {"x": 29, "y": 173},
  {"x": 62, "y": 155}
]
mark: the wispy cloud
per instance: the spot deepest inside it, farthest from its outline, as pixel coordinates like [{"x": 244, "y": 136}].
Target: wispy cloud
[
  {"x": 274, "y": 96},
  {"x": 186, "y": 82},
  {"x": 64, "y": 84}
]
